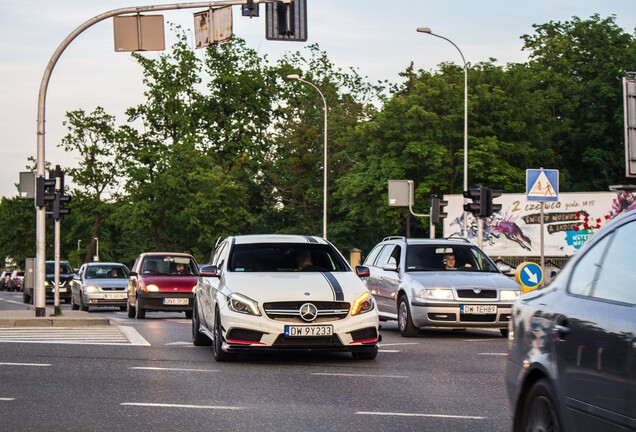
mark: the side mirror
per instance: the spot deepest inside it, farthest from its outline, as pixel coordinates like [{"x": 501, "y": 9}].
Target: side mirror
[
  {"x": 209, "y": 271},
  {"x": 504, "y": 268},
  {"x": 390, "y": 267},
  {"x": 132, "y": 274},
  {"x": 363, "y": 271}
]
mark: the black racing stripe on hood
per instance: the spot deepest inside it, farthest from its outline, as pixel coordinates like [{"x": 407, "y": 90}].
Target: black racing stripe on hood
[{"x": 335, "y": 286}]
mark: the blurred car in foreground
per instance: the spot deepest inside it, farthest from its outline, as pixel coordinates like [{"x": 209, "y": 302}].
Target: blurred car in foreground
[
  {"x": 282, "y": 292},
  {"x": 100, "y": 284},
  {"x": 572, "y": 350},
  {"x": 439, "y": 283},
  {"x": 161, "y": 281}
]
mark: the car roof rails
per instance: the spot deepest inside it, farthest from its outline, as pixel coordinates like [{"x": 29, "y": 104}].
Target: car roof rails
[
  {"x": 457, "y": 236},
  {"x": 394, "y": 238}
]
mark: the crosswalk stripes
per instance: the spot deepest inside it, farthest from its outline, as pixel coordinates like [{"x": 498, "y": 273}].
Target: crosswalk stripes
[{"x": 103, "y": 335}]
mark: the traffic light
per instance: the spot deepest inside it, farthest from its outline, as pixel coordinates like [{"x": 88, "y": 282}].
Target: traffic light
[
  {"x": 474, "y": 194},
  {"x": 286, "y": 21},
  {"x": 45, "y": 191},
  {"x": 437, "y": 209},
  {"x": 60, "y": 205},
  {"x": 487, "y": 208}
]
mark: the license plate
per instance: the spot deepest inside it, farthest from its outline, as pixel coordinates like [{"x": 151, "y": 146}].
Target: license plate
[
  {"x": 478, "y": 309},
  {"x": 116, "y": 296},
  {"x": 61, "y": 289},
  {"x": 318, "y": 330},
  {"x": 176, "y": 301}
]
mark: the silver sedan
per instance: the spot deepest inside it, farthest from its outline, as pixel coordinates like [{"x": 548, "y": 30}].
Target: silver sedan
[{"x": 100, "y": 284}]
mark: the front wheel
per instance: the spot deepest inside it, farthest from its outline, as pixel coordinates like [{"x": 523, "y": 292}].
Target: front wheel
[
  {"x": 405, "y": 322},
  {"x": 219, "y": 354},
  {"x": 539, "y": 411}
]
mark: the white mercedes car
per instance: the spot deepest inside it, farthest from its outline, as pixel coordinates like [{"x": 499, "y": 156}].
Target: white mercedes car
[{"x": 283, "y": 292}]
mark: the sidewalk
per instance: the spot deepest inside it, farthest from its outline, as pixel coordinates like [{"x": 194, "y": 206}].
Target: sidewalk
[{"x": 69, "y": 318}]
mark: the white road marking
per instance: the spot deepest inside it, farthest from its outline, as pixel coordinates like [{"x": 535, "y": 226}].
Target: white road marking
[
  {"x": 178, "y": 343},
  {"x": 389, "y": 351},
  {"x": 398, "y": 344},
  {"x": 394, "y": 414},
  {"x": 161, "y": 405},
  {"x": 98, "y": 335},
  {"x": 358, "y": 375},
  {"x": 172, "y": 369},
  {"x": 493, "y": 354},
  {"x": 7, "y": 399},
  {"x": 26, "y": 364}
]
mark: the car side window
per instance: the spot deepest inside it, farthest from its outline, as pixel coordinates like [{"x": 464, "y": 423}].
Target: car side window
[
  {"x": 372, "y": 256},
  {"x": 617, "y": 277},
  {"x": 586, "y": 271},
  {"x": 389, "y": 255}
]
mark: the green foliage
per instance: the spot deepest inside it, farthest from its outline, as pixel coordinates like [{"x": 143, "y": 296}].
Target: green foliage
[{"x": 225, "y": 144}]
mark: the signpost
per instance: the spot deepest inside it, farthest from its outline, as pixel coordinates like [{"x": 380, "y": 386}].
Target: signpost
[{"x": 542, "y": 185}]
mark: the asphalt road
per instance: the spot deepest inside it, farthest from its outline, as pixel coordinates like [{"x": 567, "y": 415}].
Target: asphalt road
[{"x": 149, "y": 377}]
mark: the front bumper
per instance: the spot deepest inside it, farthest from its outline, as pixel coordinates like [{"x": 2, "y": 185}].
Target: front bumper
[
  {"x": 156, "y": 301},
  {"x": 118, "y": 298},
  {"x": 448, "y": 314},
  {"x": 65, "y": 292},
  {"x": 260, "y": 333}
]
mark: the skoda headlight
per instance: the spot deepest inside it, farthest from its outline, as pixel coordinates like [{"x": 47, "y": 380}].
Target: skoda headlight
[
  {"x": 242, "y": 304},
  {"x": 509, "y": 295},
  {"x": 362, "y": 304},
  {"x": 439, "y": 294}
]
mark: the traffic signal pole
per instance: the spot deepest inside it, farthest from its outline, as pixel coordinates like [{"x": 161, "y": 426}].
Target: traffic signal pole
[{"x": 40, "y": 212}]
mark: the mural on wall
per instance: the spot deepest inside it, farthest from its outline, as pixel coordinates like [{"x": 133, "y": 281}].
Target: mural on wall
[{"x": 515, "y": 230}]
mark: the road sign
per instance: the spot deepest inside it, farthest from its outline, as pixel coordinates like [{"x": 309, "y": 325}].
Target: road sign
[
  {"x": 529, "y": 275},
  {"x": 542, "y": 185}
]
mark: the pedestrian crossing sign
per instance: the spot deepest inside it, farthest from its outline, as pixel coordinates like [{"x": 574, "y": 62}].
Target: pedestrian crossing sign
[{"x": 542, "y": 185}]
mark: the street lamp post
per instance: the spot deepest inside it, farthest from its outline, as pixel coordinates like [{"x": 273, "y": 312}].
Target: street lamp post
[
  {"x": 96, "y": 249},
  {"x": 427, "y": 30},
  {"x": 324, "y": 193},
  {"x": 79, "y": 259}
]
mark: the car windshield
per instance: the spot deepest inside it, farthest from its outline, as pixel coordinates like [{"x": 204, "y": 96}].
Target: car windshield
[
  {"x": 65, "y": 268},
  {"x": 286, "y": 257},
  {"x": 451, "y": 257},
  {"x": 169, "y": 265},
  {"x": 106, "y": 271}
]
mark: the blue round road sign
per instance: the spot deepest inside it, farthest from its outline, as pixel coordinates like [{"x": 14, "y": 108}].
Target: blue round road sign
[{"x": 529, "y": 275}]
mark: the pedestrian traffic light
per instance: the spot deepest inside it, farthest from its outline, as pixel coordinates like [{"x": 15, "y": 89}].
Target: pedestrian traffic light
[
  {"x": 474, "y": 194},
  {"x": 45, "y": 191},
  {"x": 437, "y": 209}
]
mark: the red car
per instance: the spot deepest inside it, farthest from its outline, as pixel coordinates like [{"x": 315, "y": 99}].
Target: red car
[{"x": 161, "y": 281}]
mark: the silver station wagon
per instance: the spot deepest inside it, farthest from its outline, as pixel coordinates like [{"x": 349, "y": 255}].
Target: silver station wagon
[{"x": 439, "y": 283}]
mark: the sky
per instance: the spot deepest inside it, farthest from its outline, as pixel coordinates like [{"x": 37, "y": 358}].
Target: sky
[{"x": 376, "y": 38}]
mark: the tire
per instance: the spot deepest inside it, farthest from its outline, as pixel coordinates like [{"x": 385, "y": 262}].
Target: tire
[
  {"x": 219, "y": 354},
  {"x": 74, "y": 306},
  {"x": 198, "y": 338},
  {"x": 140, "y": 313},
  {"x": 82, "y": 306},
  {"x": 131, "y": 310},
  {"x": 26, "y": 298},
  {"x": 405, "y": 322},
  {"x": 504, "y": 332},
  {"x": 188, "y": 314},
  {"x": 366, "y": 355},
  {"x": 539, "y": 410}
]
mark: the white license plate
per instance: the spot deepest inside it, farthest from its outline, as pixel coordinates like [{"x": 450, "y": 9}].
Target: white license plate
[
  {"x": 478, "y": 309},
  {"x": 317, "y": 330},
  {"x": 116, "y": 296},
  {"x": 176, "y": 301},
  {"x": 61, "y": 290}
]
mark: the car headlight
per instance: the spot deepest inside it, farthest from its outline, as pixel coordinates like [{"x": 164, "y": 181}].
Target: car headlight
[
  {"x": 152, "y": 288},
  {"x": 90, "y": 288},
  {"x": 47, "y": 283},
  {"x": 242, "y": 304},
  {"x": 439, "y": 294},
  {"x": 508, "y": 295},
  {"x": 362, "y": 304}
]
